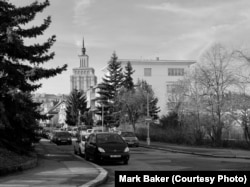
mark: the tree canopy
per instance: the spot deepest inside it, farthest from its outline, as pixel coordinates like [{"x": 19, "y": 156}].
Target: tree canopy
[
  {"x": 76, "y": 108},
  {"x": 108, "y": 91},
  {"x": 21, "y": 69},
  {"x": 128, "y": 79}
]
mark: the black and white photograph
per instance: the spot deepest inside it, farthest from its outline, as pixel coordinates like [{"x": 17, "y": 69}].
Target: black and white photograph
[{"x": 124, "y": 93}]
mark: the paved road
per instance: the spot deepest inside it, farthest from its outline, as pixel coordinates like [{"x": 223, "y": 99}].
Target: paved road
[
  {"x": 58, "y": 167},
  {"x": 157, "y": 160}
]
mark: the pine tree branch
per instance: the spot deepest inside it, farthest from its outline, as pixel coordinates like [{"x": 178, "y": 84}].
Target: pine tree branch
[{"x": 34, "y": 31}]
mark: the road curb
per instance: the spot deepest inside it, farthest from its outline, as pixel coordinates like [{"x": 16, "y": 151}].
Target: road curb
[
  {"x": 100, "y": 179},
  {"x": 19, "y": 167}
]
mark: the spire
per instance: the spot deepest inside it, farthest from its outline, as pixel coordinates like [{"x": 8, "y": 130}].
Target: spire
[{"x": 83, "y": 48}]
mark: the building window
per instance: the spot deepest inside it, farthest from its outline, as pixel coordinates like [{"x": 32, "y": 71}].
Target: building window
[
  {"x": 147, "y": 72},
  {"x": 175, "y": 71},
  {"x": 171, "y": 87}
]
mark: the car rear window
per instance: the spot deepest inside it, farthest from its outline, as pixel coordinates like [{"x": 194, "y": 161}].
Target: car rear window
[
  {"x": 127, "y": 134},
  {"x": 67, "y": 134},
  {"x": 109, "y": 138}
]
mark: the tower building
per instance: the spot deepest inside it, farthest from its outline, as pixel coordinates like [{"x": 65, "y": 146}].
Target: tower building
[{"x": 84, "y": 76}]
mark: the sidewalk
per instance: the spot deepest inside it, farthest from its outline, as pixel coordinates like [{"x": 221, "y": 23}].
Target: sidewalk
[
  {"x": 49, "y": 171},
  {"x": 212, "y": 152}
]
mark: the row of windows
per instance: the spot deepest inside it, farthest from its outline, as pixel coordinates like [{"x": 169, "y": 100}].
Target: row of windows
[
  {"x": 171, "y": 72},
  {"x": 83, "y": 78},
  {"x": 175, "y": 71},
  {"x": 83, "y": 63}
]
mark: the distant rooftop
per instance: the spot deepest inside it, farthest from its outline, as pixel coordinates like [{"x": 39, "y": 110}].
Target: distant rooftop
[{"x": 158, "y": 61}]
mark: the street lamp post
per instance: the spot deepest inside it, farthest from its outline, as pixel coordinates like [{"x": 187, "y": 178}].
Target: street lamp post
[
  {"x": 102, "y": 117},
  {"x": 148, "y": 121},
  {"x": 79, "y": 121}
]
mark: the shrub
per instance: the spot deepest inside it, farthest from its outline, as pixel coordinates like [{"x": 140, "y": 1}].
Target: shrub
[{"x": 160, "y": 134}]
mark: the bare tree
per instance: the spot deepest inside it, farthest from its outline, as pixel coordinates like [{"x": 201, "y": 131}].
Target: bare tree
[
  {"x": 239, "y": 104},
  {"x": 216, "y": 77},
  {"x": 241, "y": 101},
  {"x": 187, "y": 99},
  {"x": 131, "y": 108},
  {"x": 137, "y": 103}
]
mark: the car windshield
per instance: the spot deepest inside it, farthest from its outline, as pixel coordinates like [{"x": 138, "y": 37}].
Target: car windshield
[
  {"x": 109, "y": 138},
  {"x": 128, "y": 134},
  {"x": 62, "y": 134}
]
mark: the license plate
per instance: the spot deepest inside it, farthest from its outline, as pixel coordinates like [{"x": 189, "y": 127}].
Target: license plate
[{"x": 115, "y": 156}]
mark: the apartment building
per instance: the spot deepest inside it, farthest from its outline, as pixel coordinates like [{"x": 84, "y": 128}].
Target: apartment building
[{"x": 160, "y": 74}]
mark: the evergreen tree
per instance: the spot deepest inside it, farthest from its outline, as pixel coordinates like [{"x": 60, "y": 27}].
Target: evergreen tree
[
  {"x": 108, "y": 91},
  {"x": 20, "y": 69},
  {"x": 88, "y": 119},
  {"x": 128, "y": 80},
  {"x": 76, "y": 108}
]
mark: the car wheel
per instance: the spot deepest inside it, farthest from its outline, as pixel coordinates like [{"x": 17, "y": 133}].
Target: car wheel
[
  {"x": 80, "y": 152},
  {"x": 97, "y": 160},
  {"x": 75, "y": 151},
  {"x": 125, "y": 162}
]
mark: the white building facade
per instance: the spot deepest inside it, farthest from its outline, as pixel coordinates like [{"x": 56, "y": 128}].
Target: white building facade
[
  {"x": 160, "y": 74},
  {"x": 91, "y": 96}
]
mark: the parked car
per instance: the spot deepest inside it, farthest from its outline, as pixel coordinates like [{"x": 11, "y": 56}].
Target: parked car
[
  {"x": 93, "y": 130},
  {"x": 45, "y": 133},
  {"x": 130, "y": 138},
  {"x": 62, "y": 137},
  {"x": 89, "y": 130},
  {"x": 106, "y": 146},
  {"x": 72, "y": 131},
  {"x": 79, "y": 144},
  {"x": 51, "y": 134}
]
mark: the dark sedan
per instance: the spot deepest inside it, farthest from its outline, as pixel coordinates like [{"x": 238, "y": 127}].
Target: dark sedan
[
  {"x": 62, "y": 137},
  {"x": 106, "y": 146},
  {"x": 130, "y": 138}
]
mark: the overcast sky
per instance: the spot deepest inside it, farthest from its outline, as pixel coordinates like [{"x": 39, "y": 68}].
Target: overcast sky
[{"x": 138, "y": 29}]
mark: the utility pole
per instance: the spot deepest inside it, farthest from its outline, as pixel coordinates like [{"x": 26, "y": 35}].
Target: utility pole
[
  {"x": 102, "y": 117},
  {"x": 148, "y": 120},
  {"x": 79, "y": 115}
]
